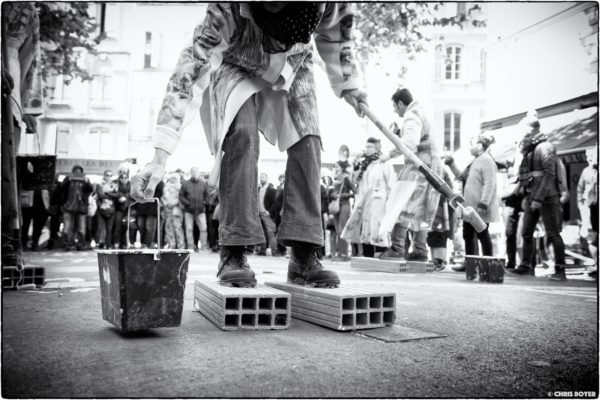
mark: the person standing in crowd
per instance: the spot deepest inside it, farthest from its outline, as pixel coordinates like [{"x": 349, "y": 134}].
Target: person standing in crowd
[
  {"x": 122, "y": 203},
  {"x": 37, "y": 215},
  {"x": 76, "y": 190},
  {"x": 21, "y": 104},
  {"x": 193, "y": 197},
  {"x": 441, "y": 230},
  {"x": 344, "y": 154},
  {"x": 55, "y": 213},
  {"x": 539, "y": 184},
  {"x": 107, "y": 192},
  {"x": 480, "y": 192},
  {"x": 212, "y": 232},
  {"x": 330, "y": 238},
  {"x": 266, "y": 199},
  {"x": 172, "y": 214},
  {"x": 146, "y": 219},
  {"x": 375, "y": 180},
  {"x": 276, "y": 211},
  {"x": 587, "y": 197},
  {"x": 418, "y": 213},
  {"x": 341, "y": 193},
  {"x": 512, "y": 199}
]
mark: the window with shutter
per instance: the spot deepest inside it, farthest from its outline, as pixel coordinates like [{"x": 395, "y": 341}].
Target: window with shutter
[
  {"x": 452, "y": 124},
  {"x": 148, "y": 50},
  {"x": 62, "y": 140},
  {"x": 101, "y": 141},
  {"x": 453, "y": 62}
]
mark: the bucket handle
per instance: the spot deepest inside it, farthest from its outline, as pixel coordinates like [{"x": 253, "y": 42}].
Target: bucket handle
[{"x": 157, "y": 254}]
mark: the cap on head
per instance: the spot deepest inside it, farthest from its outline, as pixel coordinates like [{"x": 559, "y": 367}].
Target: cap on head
[
  {"x": 77, "y": 168},
  {"x": 531, "y": 123}
]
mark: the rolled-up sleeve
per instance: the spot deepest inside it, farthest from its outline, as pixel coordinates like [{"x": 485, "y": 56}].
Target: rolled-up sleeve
[
  {"x": 334, "y": 41},
  {"x": 210, "y": 40}
]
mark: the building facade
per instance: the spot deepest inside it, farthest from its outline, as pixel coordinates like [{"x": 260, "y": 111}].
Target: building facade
[
  {"x": 112, "y": 117},
  {"x": 448, "y": 78}
]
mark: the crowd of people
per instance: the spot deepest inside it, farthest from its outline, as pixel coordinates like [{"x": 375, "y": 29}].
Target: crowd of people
[
  {"x": 363, "y": 213},
  {"x": 366, "y": 207},
  {"x": 104, "y": 216}
]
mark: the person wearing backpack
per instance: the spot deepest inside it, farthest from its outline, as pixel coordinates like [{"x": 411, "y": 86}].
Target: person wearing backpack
[
  {"x": 540, "y": 185},
  {"x": 76, "y": 190}
]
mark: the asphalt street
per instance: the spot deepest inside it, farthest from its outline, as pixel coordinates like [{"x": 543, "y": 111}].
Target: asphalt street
[{"x": 527, "y": 337}]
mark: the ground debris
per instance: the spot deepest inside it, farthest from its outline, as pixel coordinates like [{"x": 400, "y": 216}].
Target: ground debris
[{"x": 538, "y": 363}]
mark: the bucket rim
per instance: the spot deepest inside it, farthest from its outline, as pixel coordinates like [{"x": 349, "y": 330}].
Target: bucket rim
[{"x": 144, "y": 251}]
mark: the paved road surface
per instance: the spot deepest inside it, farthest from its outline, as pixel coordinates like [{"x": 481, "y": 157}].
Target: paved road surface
[{"x": 527, "y": 337}]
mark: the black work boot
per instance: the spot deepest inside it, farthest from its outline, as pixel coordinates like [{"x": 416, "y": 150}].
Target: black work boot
[
  {"x": 12, "y": 252},
  {"x": 391, "y": 254},
  {"x": 395, "y": 252},
  {"x": 234, "y": 269},
  {"x": 414, "y": 256},
  {"x": 559, "y": 273},
  {"x": 521, "y": 270},
  {"x": 306, "y": 269}
]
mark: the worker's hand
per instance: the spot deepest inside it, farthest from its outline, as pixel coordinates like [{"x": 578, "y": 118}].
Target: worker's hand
[
  {"x": 30, "y": 123},
  {"x": 449, "y": 160},
  {"x": 354, "y": 97},
  {"x": 144, "y": 183},
  {"x": 535, "y": 205}
]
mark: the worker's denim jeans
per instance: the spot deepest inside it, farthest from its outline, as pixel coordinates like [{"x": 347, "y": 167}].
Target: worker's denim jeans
[{"x": 238, "y": 187}]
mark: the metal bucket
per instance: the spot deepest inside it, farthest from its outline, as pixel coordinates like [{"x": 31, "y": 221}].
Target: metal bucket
[{"x": 143, "y": 288}]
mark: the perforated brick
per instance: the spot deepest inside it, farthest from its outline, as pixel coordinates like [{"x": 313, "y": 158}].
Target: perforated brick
[
  {"x": 12, "y": 278},
  {"x": 230, "y": 308},
  {"x": 419, "y": 266},
  {"x": 375, "y": 264},
  {"x": 341, "y": 308}
]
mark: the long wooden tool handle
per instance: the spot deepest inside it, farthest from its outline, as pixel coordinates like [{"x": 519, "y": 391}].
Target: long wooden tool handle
[
  {"x": 455, "y": 200},
  {"x": 393, "y": 138},
  {"x": 436, "y": 181}
]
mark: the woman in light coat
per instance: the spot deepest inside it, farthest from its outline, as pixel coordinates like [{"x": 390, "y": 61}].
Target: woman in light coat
[
  {"x": 480, "y": 193},
  {"x": 375, "y": 181}
]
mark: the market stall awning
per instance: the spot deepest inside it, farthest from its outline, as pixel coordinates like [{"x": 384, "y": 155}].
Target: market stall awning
[
  {"x": 570, "y": 132},
  {"x": 579, "y": 134}
]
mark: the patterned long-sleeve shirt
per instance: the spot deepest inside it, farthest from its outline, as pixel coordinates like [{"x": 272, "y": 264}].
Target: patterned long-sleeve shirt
[{"x": 226, "y": 64}]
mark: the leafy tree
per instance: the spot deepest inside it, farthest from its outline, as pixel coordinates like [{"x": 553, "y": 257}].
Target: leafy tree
[
  {"x": 66, "y": 29},
  {"x": 381, "y": 25}
]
